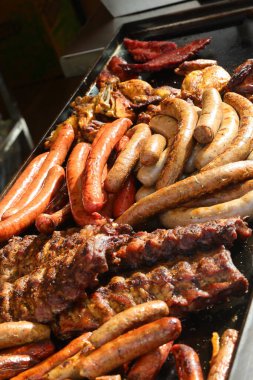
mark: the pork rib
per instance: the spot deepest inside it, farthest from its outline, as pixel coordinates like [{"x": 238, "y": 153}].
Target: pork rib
[
  {"x": 189, "y": 285},
  {"x": 70, "y": 262},
  {"x": 169, "y": 59}
]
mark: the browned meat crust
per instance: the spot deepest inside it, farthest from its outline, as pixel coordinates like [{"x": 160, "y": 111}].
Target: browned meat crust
[
  {"x": 242, "y": 79},
  {"x": 189, "y": 285}
]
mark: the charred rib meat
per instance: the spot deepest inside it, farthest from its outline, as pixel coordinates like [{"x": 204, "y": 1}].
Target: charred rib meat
[
  {"x": 56, "y": 276},
  {"x": 189, "y": 285}
]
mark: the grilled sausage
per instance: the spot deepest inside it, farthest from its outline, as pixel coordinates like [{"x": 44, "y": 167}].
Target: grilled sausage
[
  {"x": 165, "y": 125},
  {"x": 149, "y": 365},
  {"x": 37, "y": 372},
  {"x": 182, "y": 216},
  {"x": 17, "y": 333},
  {"x": 187, "y": 118},
  {"x": 187, "y": 362},
  {"x": 121, "y": 144},
  {"x": 109, "y": 377},
  {"x": 144, "y": 192},
  {"x": 56, "y": 156},
  {"x": 47, "y": 223},
  {"x": 59, "y": 200},
  {"x": 210, "y": 117},
  {"x": 148, "y": 175},
  {"x": 74, "y": 173},
  {"x": 125, "y": 197},
  {"x": 240, "y": 147},
  {"x": 227, "y": 132},
  {"x": 127, "y": 320},
  {"x": 129, "y": 346},
  {"x": 228, "y": 194},
  {"x": 186, "y": 190},
  {"x": 21, "y": 184},
  {"x": 92, "y": 192},
  {"x": 127, "y": 159},
  {"x": 221, "y": 363},
  {"x": 11, "y": 365},
  {"x": 38, "y": 350},
  {"x": 25, "y": 217},
  {"x": 190, "y": 166},
  {"x": 152, "y": 149}
]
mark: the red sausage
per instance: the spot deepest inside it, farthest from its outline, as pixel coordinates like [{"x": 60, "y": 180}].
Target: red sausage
[
  {"x": 59, "y": 201},
  {"x": 74, "y": 171},
  {"x": 38, "y": 350},
  {"x": 21, "y": 184},
  {"x": 92, "y": 192},
  {"x": 47, "y": 223},
  {"x": 56, "y": 156},
  {"x": 25, "y": 217},
  {"x": 187, "y": 363},
  {"x": 125, "y": 197}
]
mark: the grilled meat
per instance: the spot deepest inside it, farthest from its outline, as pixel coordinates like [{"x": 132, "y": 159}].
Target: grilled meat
[
  {"x": 54, "y": 277},
  {"x": 242, "y": 80},
  {"x": 198, "y": 64},
  {"x": 143, "y": 51},
  {"x": 186, "y": 286}
]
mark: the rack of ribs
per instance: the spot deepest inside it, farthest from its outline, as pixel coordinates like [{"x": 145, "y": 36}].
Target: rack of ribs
[
  {"x": 188, "y": 285},
  {"x": 36, "y": 286}
]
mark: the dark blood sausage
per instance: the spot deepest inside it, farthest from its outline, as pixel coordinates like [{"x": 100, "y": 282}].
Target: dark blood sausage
[
  {"x": 11, "y": 365},
  {"x": 47, "y": 223},
  {"x": 221, "y": 363},
  {"x": 125, "y": 197},
  {"x": 169, "y": 59},
  {"x": 17, "y": 223},
  {"x": 21, "y": 184},
  {"x": 92, "y": 192},
  {"x": 187, "y": 363},
  {"x": 129, "y": 346},
  {"x": 149, "y": 365},
  {"x": 56, "y": 156},
  {"x": 74, "y": 173}
]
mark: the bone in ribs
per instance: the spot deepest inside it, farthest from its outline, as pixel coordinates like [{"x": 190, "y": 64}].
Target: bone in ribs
[
  {"x": 54, "y": 277},
  {"x": 189, "y": 285}
]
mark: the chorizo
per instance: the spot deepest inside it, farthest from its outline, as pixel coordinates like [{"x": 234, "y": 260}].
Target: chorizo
[
  {"x": 125, "y": 197},
  {"x": 47, "y": 223},
  {"x": 187, "y": 362}
]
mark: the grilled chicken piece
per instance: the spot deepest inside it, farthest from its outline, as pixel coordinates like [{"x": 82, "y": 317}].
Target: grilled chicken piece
[
  {"x": 198, "y": 64},
  {"x": 242, "y": 80},
  {"x": 191, "y": 284},
  {"x": 56, "y": 276},
  {"x": 197, "y": 81}
]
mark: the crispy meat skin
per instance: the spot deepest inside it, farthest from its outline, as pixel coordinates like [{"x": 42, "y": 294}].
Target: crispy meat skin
[
  {"x": 169, "y": 59},
  {"x": 189, "y": 285},
  {"x": 69, "y": 262},
  {"x": 242, "y": 80}
]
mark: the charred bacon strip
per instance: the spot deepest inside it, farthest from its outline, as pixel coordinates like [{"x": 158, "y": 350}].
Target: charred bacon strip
[
  {"x": 189, "y": 285},
  {"x": 169, "y": 59}
]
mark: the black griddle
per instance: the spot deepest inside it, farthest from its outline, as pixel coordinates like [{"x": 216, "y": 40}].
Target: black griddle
[{"x": 230, "y": 25}]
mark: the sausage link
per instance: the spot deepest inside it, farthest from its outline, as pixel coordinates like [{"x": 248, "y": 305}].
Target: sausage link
[
  {"x": 21, "y": 184},
  {"x": 152, "y": 149},
  {"x": 148, "y": 175},
  {"x": 221, "y": 363},
  {"x": 227, "y": 132},
  {"x": 210, "y": 116},
  {"x": 17, "y": 333},
  {"x": 228, "y": 194},
  {"x": 25, "y": 217},
  {"x": 127, "y": 159},
  {"x": 144, "y": 192},
  {"x": 38, "y": 350},
  {"x": 109, "y": 377},
  {"x": 240, "y": 147},
  {"x": 74, "y": 173},
  {"x": 92, "y": 192},
  {"x": 165, "y": 125},
  {"x": 37, "y": 372},
  {"x": 186, "y": 190},
  {"x": 187, "y": 118},
  {"x": 56, "y": 156},
  {"x": 149, "y": 365},
  {"x": 128, "y": 346},
  {"x": 190, "y": 166},
  {"x": 127, "y": 320},
  {"x": 121, "y": 145},
  {"x": 187, "y": 363},
  {"x": 47, "y": 223},
  {"x": 11, "y": 365},
  {"x": 125, "y": 197},
  {"x": 182, "y": 216},
  {"x": 59, "y": 200}
]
